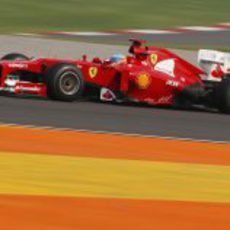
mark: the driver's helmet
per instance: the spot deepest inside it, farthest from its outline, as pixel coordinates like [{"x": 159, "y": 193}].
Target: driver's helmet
[{"x": 117, "y": 57}]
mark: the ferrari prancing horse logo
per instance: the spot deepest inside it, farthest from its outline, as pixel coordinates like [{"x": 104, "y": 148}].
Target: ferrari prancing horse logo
[
  {"x": 93, "y": 72},
  {"x": 153, "y": 58}
]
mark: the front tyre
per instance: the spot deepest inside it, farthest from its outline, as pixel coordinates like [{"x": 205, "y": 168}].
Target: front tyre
[
  {"x": 15, "y": 57},
  {"x": 64, "y": 82},
  {"x": 222, "y": 95}
]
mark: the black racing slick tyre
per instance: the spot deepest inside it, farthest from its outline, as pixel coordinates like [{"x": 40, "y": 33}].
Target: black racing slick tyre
[
  {"x": 15, "y": 57},
  {"x": 64, "y": 82},
  {"x": 222, "y": 95}
]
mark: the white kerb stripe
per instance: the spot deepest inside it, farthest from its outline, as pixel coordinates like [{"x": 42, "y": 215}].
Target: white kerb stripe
[
  {"x": 202, "y": 28},
  {"x": 151, "y": 31},
  {"x": 87, "y": 33},
  {"x": 225, "y": 24}
]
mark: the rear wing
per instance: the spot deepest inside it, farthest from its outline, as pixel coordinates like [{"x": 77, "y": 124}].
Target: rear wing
[{"x": 214, "y": 63}]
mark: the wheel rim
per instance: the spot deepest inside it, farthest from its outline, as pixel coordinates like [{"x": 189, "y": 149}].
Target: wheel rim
[{"x": 69, "y": 83}]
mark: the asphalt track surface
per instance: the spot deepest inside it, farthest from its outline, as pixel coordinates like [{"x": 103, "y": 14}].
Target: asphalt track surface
[
  {"x": 96, "y": 116},
  {"x": 195, "y": 38}
]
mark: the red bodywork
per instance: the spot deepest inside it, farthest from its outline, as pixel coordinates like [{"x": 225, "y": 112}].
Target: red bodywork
[{"x": 149, "y": 74}]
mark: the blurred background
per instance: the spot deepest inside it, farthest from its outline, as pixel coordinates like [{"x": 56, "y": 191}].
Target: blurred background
[{"x": 85, "y": 15}]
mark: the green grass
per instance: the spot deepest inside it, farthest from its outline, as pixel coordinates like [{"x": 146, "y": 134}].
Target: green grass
[{"x": 42, "y": 15}]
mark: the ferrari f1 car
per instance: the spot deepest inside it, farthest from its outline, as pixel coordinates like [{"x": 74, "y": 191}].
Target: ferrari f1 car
[{"x": 148, "y": 75}]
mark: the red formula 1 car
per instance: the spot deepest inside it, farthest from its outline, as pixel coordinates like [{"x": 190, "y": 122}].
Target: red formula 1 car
[{"x": 148, "y": 75}]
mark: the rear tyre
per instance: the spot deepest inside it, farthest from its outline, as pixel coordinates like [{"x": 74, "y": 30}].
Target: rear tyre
[
  {"x": 64, "y": 82},
  {"x": 222, "y": 95},
  {"x": 15, "y": 57}
]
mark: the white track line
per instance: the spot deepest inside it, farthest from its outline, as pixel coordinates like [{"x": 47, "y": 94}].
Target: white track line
[{"x": 51, "y": 128}]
